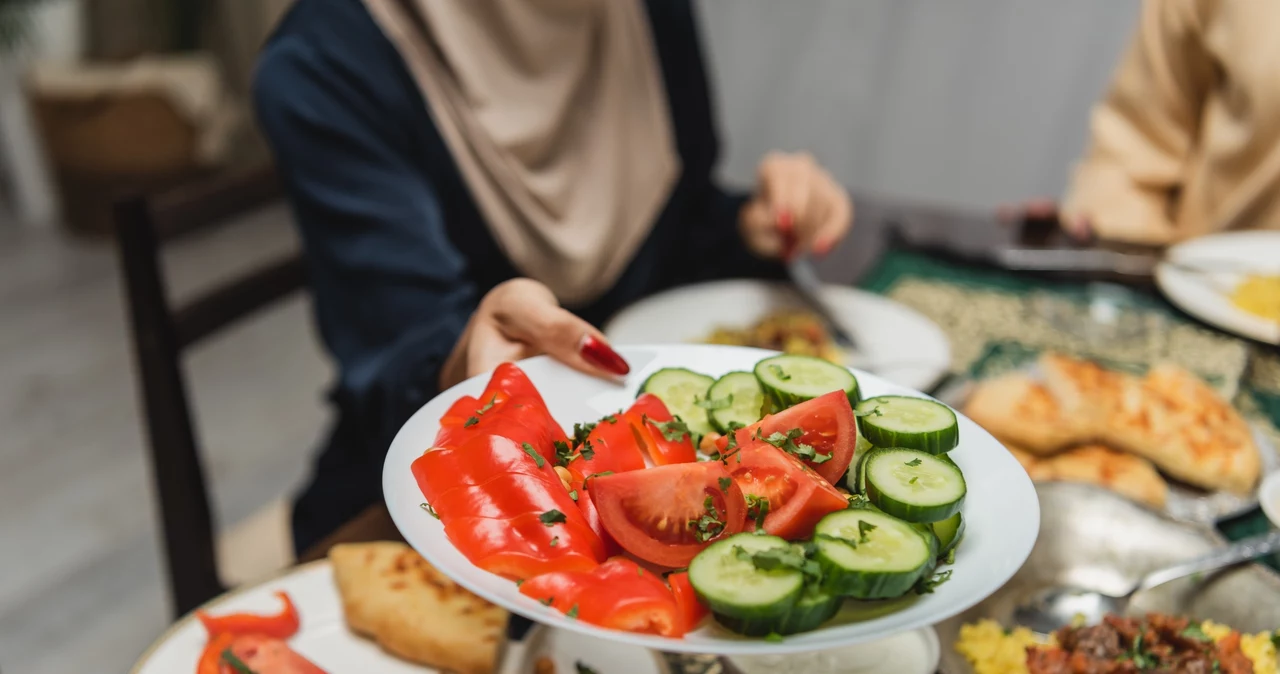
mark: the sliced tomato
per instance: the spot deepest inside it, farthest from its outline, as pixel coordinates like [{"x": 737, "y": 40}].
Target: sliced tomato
[
  {"x": 506, "y": 496},
  {"x": 828, "y": 426},
  {"x": 666, "y": 515},
  {"x": 691, "y": 610},
  {"x": 476, "y": 462},
  {"x": 268, "y": 655},
  {"x": 647, "y": 414},
  {"x": 797, "y": 496},
  {"x": 587, "y": 506},
  {"x": 618, "y": 594},
  {"x": 525, "y": 546},
  {"x": 613, "y": 446}
]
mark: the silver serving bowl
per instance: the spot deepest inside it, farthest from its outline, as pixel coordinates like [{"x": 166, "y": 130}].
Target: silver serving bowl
[{"x": 1090, "y": 537}]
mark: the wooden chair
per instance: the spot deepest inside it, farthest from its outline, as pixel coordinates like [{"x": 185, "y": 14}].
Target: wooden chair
[{"x": 162, "y": 333}]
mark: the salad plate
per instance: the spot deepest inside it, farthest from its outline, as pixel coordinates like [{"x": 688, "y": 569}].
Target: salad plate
[{"x": 1001, "y": 509}]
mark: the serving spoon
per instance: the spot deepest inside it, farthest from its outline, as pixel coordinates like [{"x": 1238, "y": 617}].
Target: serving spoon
[{"x": 1054, "y": 608}]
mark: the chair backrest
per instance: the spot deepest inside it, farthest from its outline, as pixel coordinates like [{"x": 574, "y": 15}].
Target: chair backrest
[{"x": 162, "y": 332}]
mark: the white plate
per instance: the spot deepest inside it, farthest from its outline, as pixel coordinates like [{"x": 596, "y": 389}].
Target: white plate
[
  {"x": 1269, "y": 497},
  {"x": 913, "y": 652},
  {"x": 895, "y": 341},
  {"x": 1002, "y": 509},
  {"x": 1202, "y": 296},
  {"x": 324, "y": 639}
]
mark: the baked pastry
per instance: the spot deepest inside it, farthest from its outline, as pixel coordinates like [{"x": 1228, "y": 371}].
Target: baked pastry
[
  {"x": 1019, "y": 409},
  {"x": 1125, "y": 474}
]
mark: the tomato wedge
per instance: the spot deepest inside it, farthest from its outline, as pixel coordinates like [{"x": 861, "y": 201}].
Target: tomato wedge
[
  {"x": 827, "y": 424},
  {"x": 525, "y": 546},
  {"x": 666, "y": 515},
  {"x": 691, "y": 610},
  {"x": 648, "y": 413},
  {"x": 587, "y": 506},
  {"x": 618, "y": 594},
  {"x": 797, "y": 497},
  {"x": 612, "y": 446}
]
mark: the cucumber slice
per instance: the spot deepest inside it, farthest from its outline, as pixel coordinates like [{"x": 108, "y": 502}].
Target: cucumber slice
[
  {"x": 788, "y": 380},
  {"x": 733, "y": 587},
  {"x": 813, "y": 608},
  {"x": 861, "y": 451},
  {"x": 913, "y": 423},
  {"x": 913, "y": 485},
  {"x": 949, "y": 532},
  {"x": 868, "y": 554},
  {"x": 735, "y": 398},
  {"x": 681, "y": 390}
]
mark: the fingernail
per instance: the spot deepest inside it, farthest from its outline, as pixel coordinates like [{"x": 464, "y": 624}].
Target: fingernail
[
  {"x": 823, "y": 246},
  {"x": 785, "y": 224},
  {"x": 599, "y": 354}
]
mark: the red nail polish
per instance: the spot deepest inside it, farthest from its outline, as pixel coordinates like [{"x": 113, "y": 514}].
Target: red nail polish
[
  {"x": 787, "y": 228},
  {"x": 823, "y": 246},
  {"x": 599, "y": 354},
  {"x": 785, "y": 223}
]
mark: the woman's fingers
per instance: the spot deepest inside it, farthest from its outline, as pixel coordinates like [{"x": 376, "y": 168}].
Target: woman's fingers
[
  {"x": 800, "y": 201},
  {"x": 527, "y": 313}
]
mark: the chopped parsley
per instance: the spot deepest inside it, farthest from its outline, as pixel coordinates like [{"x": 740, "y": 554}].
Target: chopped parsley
[
  {"x": 580, "y": 433},
  {"x": 235, "y": 663},
  {"x": 555, "y": 540},
  {"x": 709, "y": 525},
  {"x": 573, "y": 494},
  {"x": 913, "y": 463},
  {"x": 583, "y": 669},
  {"x": 951, "y": 557},
  {"x": 551, "y": 517},
  {"x": 724, "y": 483},
  {"x": 860, "y": 502},
  {"x": 471, "y": 421},
  {"x": 864, "y": 528},
  {"x": 773, "y": 636},
  {"x": 537, "y": 458},
  {"x": 600, "y": 474},
  {"x": 573, "y": 612},
  {"x": 790, "y": 557},
  {"x": 787, "y": 443},
  {"x": 928, "y": 585},
  {"x": 519, "y": 582},
  {"x": 913, "y": 480},
  {"x": 1139, "y": 655},
  {"x": 674, "y": 430},
  {"x": 565, "y": 453},
  {"x": 779, "y": 373},
  {"x": 757, "y": 510},
  {"x": 547, "y": 601},
  {"x": 430, "y": 511},
  {"x": 612, "y": 419},
  {"x": 1195, "y": 631},
  {"x": 873, "y": 412}
]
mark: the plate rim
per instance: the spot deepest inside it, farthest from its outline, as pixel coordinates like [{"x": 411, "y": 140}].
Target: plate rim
[
  {"x": 943, "y": 367},
  {"x": 1264, "y": 332},
  {"x": 391, "y": 478}
]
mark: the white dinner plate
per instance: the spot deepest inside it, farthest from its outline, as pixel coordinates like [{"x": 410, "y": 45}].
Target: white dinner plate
[
  {"x": 911, "y": 652},
  {"x": 323, "y": 637},
  {"x": 895, "y": 341},
  {"x": 1204, "y": 295},
  {"x": 1001, "y": 510}
]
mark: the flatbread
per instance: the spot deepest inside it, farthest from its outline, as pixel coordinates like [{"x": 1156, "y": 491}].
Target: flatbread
[
  {"x": 392, "y": 595},
  {"x": 1020, "y": 409},
  {"x": 1170, "y": 417},
  {"x": 1124, "y": 474}
]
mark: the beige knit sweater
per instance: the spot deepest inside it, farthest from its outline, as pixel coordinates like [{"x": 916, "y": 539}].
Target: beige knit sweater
[{"x": 1187, "y": 140}]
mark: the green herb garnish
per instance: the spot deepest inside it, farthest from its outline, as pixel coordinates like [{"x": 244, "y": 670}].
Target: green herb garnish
[
  {"x": 928, "y": 585},
  {"x": 757, "y": 509},
  {"x": 779, "y": 373},
  {"x": 537, "y": 458},
  {"x": 1195, "y": 631},
  {"x": 547, "y": 601},
  {"x": 430, "y": 511},
  {"x": 573, "y": 494},
  {"x": 583, "y": 669},
  {"x": 471, "y": 421},
  {"x": 913, "y": 463},
  {"x": 555, "y": 540},
  {"x": 790, "y": 557},
  {"x": 864, "y": 528},
  {"x": 724, "y": 483},
  {"x": 573, "y": 612},
  {"x": 709, "y": 525},
  {"x": 235, "y": 663},
  {"x": 712, "y": 405},
  {"x": 674, "y": 430},
  {"x": 787, "y": 443},
  {"x": 552, "y": 517}
]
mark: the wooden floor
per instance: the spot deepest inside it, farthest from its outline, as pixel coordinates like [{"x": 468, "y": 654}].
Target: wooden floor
[{"x": 80, "y": 582}]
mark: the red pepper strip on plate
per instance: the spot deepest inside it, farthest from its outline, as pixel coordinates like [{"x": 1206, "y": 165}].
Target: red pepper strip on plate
[
  {"x": 509, "y": 406},
  {"x": 527, "y": 545},
  {"x": 281, "y": 625},
  {"x": 618, "y": 594},
  {"x": 504, "y": 497},
  {"x": 265, "y": 655},
  {"x": 665, "y": 444},
  {"x": 211, "y": 659},
  {"x": 691, "y": 610},
  {"x": 480, "y": 460}
]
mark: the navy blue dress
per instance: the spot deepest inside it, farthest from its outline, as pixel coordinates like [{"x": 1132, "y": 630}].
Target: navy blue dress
[{"x": 399, "y": 254}]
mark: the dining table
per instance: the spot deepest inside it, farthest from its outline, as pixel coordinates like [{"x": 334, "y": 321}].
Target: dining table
[{"x": 936, "y": 260}]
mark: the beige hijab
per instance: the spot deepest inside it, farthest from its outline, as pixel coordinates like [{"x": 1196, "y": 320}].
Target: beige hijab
[{"x": 555, "y": 113}]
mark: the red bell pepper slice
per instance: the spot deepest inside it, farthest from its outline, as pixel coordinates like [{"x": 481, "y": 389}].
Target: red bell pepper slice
[
  {"x": 509, "y": 406},
  {"x": 618, "y": 594},
  {"x": 480, "y": 460},
  {"x": 211, "y": 658},
  {"x": 526, "y": 545},
  {"x": 267, "y": 655},
  {"x": 506, "y": 496},
  {"x": 612, "y": 446},
  {"x": 691, "y": 610},
  {"x": 282, "y": 625},
  {"x": 649, "y": 413}
]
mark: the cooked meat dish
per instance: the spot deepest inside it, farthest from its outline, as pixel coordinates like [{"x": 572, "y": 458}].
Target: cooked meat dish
[{"x": 1160, "y": 644}]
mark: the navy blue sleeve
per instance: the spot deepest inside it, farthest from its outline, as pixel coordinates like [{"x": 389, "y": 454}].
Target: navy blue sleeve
[{"x": 392, "y": 293}]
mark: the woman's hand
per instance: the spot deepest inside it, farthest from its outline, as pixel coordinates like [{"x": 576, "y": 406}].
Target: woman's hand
[
  {"x": 1078, "y": 228},
  {"x": 797, "y": 207},
  {"x": 521, "y": 318}
]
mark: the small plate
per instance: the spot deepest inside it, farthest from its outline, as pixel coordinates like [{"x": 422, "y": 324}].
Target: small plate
[
  {"x": 324, "y": 639},
  {"x": 1001, "y": 509},
  {"x": 895, "y": 341},
  {"x": 913, "y": 652},
  {"x": 1201, "y": 294},
  {"x": 1269, "y": 497}
]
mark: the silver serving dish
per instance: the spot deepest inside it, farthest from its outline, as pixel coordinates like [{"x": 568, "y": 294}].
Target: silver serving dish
[{"x": 1093, "y": 538}]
